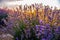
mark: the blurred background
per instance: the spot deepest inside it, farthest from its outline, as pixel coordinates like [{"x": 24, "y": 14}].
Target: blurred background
[{"x": 28, "y": 2}]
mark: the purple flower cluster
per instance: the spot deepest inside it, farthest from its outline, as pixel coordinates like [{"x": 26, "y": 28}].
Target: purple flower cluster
[
  {"x": 41, "y": 32},
  {"x": 33, "y": 22}
]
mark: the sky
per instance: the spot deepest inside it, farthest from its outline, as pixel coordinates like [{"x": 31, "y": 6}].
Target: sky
[
  {"x": 29, "y": 2},
  {"x": 59, "y": 1}
]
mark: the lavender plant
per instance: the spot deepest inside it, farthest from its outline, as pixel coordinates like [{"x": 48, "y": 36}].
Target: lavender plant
[
  {"x": 3, "y": 15},
  {"x": 34, "y": 28}
]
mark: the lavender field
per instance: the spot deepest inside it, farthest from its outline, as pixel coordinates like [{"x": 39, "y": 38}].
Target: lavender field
[{"x": 34, "y": 22}]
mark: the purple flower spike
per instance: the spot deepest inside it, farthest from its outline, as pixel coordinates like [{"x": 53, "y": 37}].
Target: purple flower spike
[
  {"x": 37, "y": 26},
  {"x": 43, "y": 39},
  {"x": 41, "y": 22}
]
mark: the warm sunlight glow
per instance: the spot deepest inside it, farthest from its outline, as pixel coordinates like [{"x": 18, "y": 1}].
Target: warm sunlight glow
[{"x": 29, "y": 2}]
